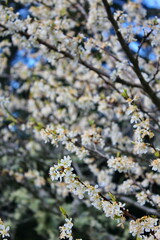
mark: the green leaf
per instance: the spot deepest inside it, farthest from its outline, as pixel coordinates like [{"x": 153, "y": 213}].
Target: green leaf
[
  {"x": 118, "y": 154},
  {"x": 63, "y": 211},
  {"x": 39, "y": 126},
  {"x": 125, "y": 94},
  {"x": 155, "y": 22},
  {"x": 10, "y": 116},
  {"x": 11, "y": 119},
  {"x": 117, "y": 217},
  {"x": 157, "y": 154},
  {"x": 91, "y": 122},
  {"x": 6, "y": 2},
  {"x": 113, "y": 198},
  {"x": 63, "y": 12}
]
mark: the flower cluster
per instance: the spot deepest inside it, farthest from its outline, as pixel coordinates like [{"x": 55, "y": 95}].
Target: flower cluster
[
  {"x": 35, "y": 177},
  {"x": 64, "y": 170},
  {"x": 142, "y": 225},
  {"x": 68, "y": 138},
  {"x": 92, "y": 136},
  {"x": 141, "y": 197},
  {"x": 3, "y": 101},
  {"x": 113, "y": 210},
  {"x": 156, "y": 165},
  {"x": 3, "y": 230},
  {"x": 127, "y": 187},
  {"x": 141, "y": 125},
  {"x": 66, "y": 230},
  {"x": 122, "y": 164},
  {"x": 31, "y": 175},
  {"x": 156, "y": 199}
]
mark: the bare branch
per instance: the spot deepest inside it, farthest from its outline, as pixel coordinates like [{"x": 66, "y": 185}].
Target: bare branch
[
  {"x": 144, "y": 208},
  {"x": 130, "y": 56}
]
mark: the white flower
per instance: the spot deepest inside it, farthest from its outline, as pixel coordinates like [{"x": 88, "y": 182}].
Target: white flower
[
  {"x": 121, "y": 164},
  {"x": 75, "y": 186},
  {"x": 95, "y": 198},
  {"x": 92, "y": 136},
  {"x": 157, "y": 232},
  {"x": 156, "y": 165},
  {"x": 143, "y": 224},
  {"x": 62, "y": 169},
  {"x": 140, "y": 148},
  {"x": 4, "y": 101},
  {"x": 156, "y": 199},
  {"x": 4, "y": 231},
  {"x": 115, "y": 133},
  {"x": 66, "y": 162},
  {"x": 127, "y": 187},
  {"x": 131, "y": 109},
  {"x": 112, "y": 209},
  {"x": 66, "y": 230},
  {"x": 141, "y": 197}
]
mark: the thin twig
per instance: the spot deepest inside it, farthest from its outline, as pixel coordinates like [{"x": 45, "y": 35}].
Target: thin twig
[{"x": 126, "y": 49}]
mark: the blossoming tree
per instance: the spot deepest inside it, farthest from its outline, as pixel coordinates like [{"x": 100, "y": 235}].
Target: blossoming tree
[{"x": 88, "y": 109}]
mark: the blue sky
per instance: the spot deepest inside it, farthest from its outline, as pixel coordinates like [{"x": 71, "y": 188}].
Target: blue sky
[
  {"x": 152, "y": 3},
  {"x": 26, "y": 58}
]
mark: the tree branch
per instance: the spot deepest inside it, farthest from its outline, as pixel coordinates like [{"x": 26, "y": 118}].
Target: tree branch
[
  {"x": 144, "y": 208},
  {"x": 130, "y": 56},
  {"x": 66, "y": 54}
]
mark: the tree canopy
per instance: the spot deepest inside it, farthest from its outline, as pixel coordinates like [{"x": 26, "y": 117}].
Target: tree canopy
[{"x": 80, "y": 120}]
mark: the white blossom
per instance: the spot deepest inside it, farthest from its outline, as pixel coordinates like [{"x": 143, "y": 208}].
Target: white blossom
[
  {"x": 143, "y": 224},
  {"x": 121, "y": 164},
  {"x": 113, "y": 210},
  {"x": 156, "y": 165}
]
